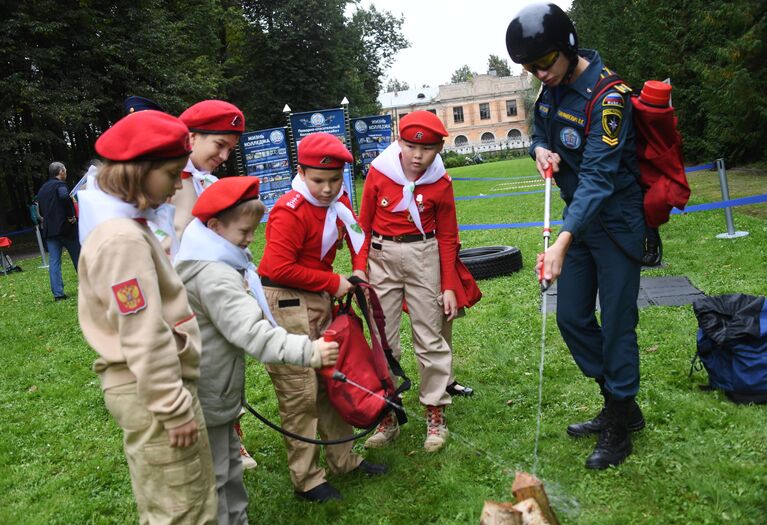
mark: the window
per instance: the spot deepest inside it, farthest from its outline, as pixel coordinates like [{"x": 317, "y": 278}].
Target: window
[
  {"x": 434, "y": 111},
  {"x": 458, "y": 115},
  {"x": 484, "y": 111},
  {"x": 461, "y": 140},
  {"x": 511, "y": 108},
  {"x": 514, "y": 134},
  {"x": 487, "y": 137}
]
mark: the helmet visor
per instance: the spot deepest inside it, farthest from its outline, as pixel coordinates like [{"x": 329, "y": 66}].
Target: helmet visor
[{"x": 543, "y": 63}]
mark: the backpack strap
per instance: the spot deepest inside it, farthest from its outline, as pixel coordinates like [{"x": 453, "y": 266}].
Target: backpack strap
[
  {"x": 604, "y": 84},
  {"x": 382, "y": 344}
]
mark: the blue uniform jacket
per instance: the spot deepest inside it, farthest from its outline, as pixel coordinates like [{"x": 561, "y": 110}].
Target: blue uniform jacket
[{"x": 597, "y": 168}]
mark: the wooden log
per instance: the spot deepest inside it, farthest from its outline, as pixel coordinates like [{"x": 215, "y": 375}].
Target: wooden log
[
  {"x": 498, "y": 513},
  {"x": 531, "y": 512},
  {"x": 527, "y": 486}
]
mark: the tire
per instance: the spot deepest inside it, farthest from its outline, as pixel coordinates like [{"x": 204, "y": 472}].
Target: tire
[{"x": 491, "y": 261}]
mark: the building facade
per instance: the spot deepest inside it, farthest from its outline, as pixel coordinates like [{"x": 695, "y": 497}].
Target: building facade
[{"x": 484, "y": 114}]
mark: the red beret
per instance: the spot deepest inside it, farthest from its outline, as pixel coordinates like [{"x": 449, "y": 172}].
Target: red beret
[
  {"x": 224, "y": 194},
  {"x": 145, "y": 135},
  {"x": 214, "y": 117},
  {"x": 423, "y": 127},
  {"x": 323, "y": 151}
]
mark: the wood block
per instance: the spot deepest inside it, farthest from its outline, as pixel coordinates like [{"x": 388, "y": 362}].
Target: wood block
[
  {"x": 531, "y": 512},
  {"x": 527, "y": 486},
  {"x": 499, "y": 513}
]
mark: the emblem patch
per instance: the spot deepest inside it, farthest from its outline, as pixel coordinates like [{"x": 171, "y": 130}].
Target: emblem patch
[
  {"x": 543, "y": 109},
  {"x": 326, "y": 160},
  {"x": 613, "y": 100},
  {"x": 570, "y": 138},
  {"x": 129, "y": 297},
  {"x": 235, "y": 121},
  {"x": 418, "y": 135},
  {"x": 384, "y": 202},
  {"x": 611, "y": 125}
]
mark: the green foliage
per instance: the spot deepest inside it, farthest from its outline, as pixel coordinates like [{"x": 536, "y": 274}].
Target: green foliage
[
  {"x": 500, "y": 65},
  {"x": 462, "y": 74},
  {"x": 68, "y": 66},
  {"x": 714, "y": 53},
  {"x": 699, "y": 460},
  {"x": 396, "y": 85}
]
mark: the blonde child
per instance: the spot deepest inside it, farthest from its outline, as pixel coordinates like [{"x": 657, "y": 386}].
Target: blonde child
[
  {"x": 226, "y": 295},
  {"x": 134, "y": 313}
]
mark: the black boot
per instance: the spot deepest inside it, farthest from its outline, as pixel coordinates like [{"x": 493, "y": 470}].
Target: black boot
[
  {"x": 653, "y": 251},
  {"x": 634, "y": 423},
  {"x": 614, "y": 444}
]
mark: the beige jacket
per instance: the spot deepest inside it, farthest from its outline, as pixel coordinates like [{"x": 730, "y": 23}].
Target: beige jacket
[
  {"x": 232, "y": 324},
  {"x": 134, "y": 312}
]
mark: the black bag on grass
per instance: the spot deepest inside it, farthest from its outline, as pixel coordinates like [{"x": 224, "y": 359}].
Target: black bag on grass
[{"x": 732, "y": 345}]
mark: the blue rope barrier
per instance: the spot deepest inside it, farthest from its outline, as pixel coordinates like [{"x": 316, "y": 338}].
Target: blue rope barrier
[
  {"x": 700, "y": 168},
  {"x": 743, "y": 201},
  {"x": 471, "y": 197},
  {"x": 17, "y": 232}
]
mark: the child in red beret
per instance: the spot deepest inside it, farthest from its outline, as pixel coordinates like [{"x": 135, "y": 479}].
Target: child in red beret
[
  {"x": 306, "y": 226},
  {"x": 226, "y": 295},
  {"x": 134, "y": 313},
  {"x": 408, "y": 215},
  {"x": 215, "y": 127}
]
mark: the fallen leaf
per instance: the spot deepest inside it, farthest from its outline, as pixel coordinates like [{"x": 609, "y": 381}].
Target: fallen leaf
[
  {"x": 33, "y": 388},
  {"x": 653, "y": 348}
]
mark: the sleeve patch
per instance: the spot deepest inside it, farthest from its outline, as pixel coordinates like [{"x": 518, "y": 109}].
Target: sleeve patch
[
  {"x": 611, "y": 125},
  {"x": 129, "y": 297},
  {"x": 295, "y": 201},
  {"x": 614, "y": 100}
]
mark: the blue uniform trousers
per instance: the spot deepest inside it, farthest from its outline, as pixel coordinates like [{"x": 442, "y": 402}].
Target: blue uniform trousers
[{"x": 594, "y": 264}]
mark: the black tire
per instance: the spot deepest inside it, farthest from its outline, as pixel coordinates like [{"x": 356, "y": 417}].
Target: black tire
[{"x": 491, "y": 261}]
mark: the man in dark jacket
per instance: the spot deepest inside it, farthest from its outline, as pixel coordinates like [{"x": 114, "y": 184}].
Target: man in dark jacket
[{"x": 59, "y": 225}]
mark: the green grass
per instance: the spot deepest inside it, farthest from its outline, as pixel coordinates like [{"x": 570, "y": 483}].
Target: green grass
[{"x": 701, "y": 459}]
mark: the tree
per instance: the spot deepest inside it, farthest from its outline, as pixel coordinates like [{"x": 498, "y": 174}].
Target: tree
[
  {"x": 396, "y": 85},
  {"x": 462, "y": 74},
  {"x": 714, "y": 54},
  {"x": 501, "y": 66}
]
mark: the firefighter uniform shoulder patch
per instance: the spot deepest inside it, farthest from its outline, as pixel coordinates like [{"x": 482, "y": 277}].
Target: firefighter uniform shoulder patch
[
  {"x": 611, "y": 125},
  {"x": 129, "y": 297}
]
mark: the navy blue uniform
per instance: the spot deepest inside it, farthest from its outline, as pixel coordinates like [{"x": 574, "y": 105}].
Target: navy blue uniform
[{"x": 598, "y": 180}]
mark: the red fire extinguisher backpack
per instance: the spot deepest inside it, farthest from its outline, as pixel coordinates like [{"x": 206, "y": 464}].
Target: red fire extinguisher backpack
[
  {"x": 659, "y": 147},
  {"x": 359, "y": 385}
]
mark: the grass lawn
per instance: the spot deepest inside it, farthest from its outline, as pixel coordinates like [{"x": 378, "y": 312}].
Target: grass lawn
[{"x": 701, "y": 459}]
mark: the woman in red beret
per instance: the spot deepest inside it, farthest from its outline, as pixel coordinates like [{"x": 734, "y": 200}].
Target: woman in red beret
[
  {"x": 215, "y": 127},
  {"x": 134, "y": 313}
]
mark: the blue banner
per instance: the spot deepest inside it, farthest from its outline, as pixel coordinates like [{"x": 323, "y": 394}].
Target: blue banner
[
  {"x": 266, "y": 156},
  {"x": 373, "y": 135},
  {"x": 331, "y": 121}
]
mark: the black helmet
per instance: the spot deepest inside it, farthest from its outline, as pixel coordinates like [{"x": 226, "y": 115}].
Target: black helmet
[{"x": 539, "y": 29}]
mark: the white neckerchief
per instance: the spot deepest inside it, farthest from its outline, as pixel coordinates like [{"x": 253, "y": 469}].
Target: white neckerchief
[
  {"x": 389, "y": 163},
  {"x": 200, "y": 243},
  {"x": 200, "y": 179},
  {"x": 336, "y": 210},
  {"x": 97, "y": 206}
]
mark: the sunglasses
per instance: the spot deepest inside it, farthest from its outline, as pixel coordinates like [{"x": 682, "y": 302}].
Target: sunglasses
[{"x": 543, "y": 63}]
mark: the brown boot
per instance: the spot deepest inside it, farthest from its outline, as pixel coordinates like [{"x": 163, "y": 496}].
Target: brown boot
[
  {"x": 387, "y": 431},
  {"x": 436, "y": 429}
]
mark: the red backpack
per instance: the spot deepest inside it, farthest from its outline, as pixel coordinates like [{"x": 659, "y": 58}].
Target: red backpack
[
  {"x": 359, "y": 365},
  {"x": 659, "y": 151}
]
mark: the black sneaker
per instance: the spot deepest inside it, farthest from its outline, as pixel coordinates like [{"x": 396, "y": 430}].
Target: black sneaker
[
  {"x": 457, "y": 389},
  {"x": 61, "y": 297},
  {"x": 371, "y": 469},
  {"x": 320, "y": 494}
]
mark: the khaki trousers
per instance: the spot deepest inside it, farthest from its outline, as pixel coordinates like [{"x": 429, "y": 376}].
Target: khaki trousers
[
  {"x": 171, "y": 485},
  {"x": 411, "y": 271},
  {"x": 301, "y": 393}
]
